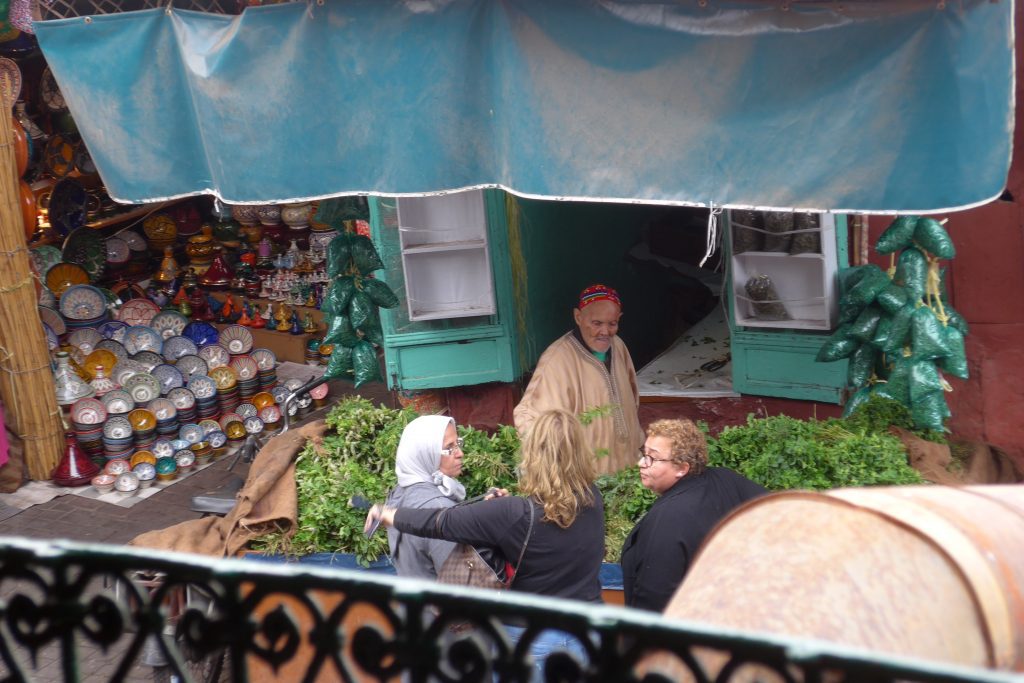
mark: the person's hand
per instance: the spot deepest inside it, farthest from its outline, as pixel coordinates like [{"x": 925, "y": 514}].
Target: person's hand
[
  {"x": 373, "y": 518},
  {"x": 495, "y": 492}
]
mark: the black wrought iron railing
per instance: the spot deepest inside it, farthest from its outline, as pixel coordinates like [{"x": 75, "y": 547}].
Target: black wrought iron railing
[{"x": 263, "y": 620}]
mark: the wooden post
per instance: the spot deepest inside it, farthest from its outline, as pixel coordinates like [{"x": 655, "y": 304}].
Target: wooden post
[{"x": 26, "y": 381}]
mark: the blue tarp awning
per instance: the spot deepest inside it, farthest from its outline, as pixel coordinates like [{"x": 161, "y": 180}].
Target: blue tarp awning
[{"x": 862, "y": 105}]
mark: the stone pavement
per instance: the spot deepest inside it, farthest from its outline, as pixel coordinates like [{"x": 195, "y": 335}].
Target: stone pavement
[{"x": 78, "y": 518}]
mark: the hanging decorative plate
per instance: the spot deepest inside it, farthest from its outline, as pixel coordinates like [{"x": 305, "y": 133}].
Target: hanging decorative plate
[
  {"x": 135, "y": 243},
  {"x": 182, "y": 398},
  {"x": 51, "y": 337},
  {"x": 85, "y": 247},
  {"x": 148, "y": 359},
  {"x": 82, "y": 302},
  {"x": 160, "y": 227},
  {"x": 191, "y": 364},
  {"x": 118, "y": 401},
  {"x": 201, "y": 333},
  {"x": 44, "y": 258},
  {"x": 64, "y": 275},
  {"x": 53, "y": 319},
  {"x": 215, "y": 355},
  {"x": 202, "y": 387},
  {"x": 59, "y": 160},
  {"x": 176, "y": 347},
  {"x": 168, "y": 323},
  {"x": 138, "y": 312},
  {"x": 113, "y": 329},
  {"x": 85, "y": 340},
  {"x": 115, "y": 347},
  {"x": 10, "y": 82},
  {"x": 118, "y": 252},
  {"x": 49, "y": 92},
  {"x": 143, "y": 387},
  {"x": 265, "y": 359},
  {"x": 142, "y": 338},
  {"x": 236, "y": 339},
  {"x": 169, "y": 378}
]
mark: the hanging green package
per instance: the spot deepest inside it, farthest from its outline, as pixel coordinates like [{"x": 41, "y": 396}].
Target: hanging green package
[
  {"x": 899, "y": 235},
  {"x": 379, "y": 293},
  {"x": 892, "y": 298},
  {"x": 899, "y": 331},
  {"x": 365, "y": 255},
  {"x": 339, "y": 255},
  {"x": 338, "y": 297},
  {"x": 871, "y": 285},
  {"x": 880, "y": 339},
  {"x": 924, "y": 379},
  {"x": 928, "y": 338},
  {"x": 365, "y": 364},
  {"x": 329, "y": 212},
  {"x": 897, "y": 386},
  {"x": 371, "y": 329},
  {"x": 862, "y": 363},
  {"x": 849, "y": 277},
  {"x": 839, "y": 345},
  {"x": 933, "y": 238},
  {"x": 341, "y": 332},
  {"x": 340, "y": 364},
  {"x": 954, "y": 319},
  {"x": 863, "y": 328},
  {"x": 859, "y": 398},
  {"x": 930, "y": 411},
  {"x": 956, "y": 362},
  {"x": 360, "y": 309},
  {"x": 912, "y": 273}
]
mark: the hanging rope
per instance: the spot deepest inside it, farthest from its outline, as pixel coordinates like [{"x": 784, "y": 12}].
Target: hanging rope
[{"x": 711, "y": 241}]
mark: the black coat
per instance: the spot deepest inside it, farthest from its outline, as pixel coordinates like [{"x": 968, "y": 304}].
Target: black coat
[{"x": 659, "y": 549}]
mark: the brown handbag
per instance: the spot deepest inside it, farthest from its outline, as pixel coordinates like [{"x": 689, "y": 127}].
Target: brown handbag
[{"x": 466, "y": 567}]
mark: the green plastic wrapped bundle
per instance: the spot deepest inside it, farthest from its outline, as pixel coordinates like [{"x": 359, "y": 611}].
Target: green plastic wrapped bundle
[
  {"x": 924, "y": 379},
  {"x": 379, "y": 293},
  {"x": 863, "y": 328},
  {"x": 931, "y": 411},
  {"x": 340, "y": 364},
  {"x": 861, "y": 365},
  {"x": 928, "y": 337},
  {"x": 871, "y": 284},
  {"x": 360, "y": 309},
  {"x": 338, "y": 296},
  {"x": 364, "y": 254},
  {"x": 371, "y": 328},
  {"x": 859, "y": 398},
  {"x": 880, "y": 339},
  {"x": 339, "y": 255},
  {"x": 839, "y": 345},
  {"x": 848, "y": 279},
  {"x": 334, "y": 212},
  {"x": 899, "y": 235},
  {"x": 341, "y": 332},
  {"x": 912, "y": 273},
  {"x": 955, "y": 363},
  {"x": 933, "y": 238},
  {"x": 366, "y": 367},
  {"x": 954, "y": 319},
  {"x": 899, "y": 331},
  {"x": 892, "y": 298},
  {"x": 897, "y": 385}
]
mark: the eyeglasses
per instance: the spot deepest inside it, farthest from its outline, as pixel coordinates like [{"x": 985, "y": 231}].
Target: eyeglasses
[
  {"x": 447, "y": 452},
  {"x": 648, "y": 460}
]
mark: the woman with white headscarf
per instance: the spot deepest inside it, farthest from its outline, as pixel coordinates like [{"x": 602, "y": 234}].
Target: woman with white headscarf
[{"x": 428, "y": 462}]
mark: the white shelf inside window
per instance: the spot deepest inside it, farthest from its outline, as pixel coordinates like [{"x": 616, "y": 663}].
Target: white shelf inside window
[
  {"x": 445, "y": 256},
  {"x": 805, "y": 284}
]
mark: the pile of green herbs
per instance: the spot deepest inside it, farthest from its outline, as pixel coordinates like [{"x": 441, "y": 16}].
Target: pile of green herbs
[{"x": 357, "y": 458}]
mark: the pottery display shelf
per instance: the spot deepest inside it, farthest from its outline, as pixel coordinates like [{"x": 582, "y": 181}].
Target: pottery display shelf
[
  {"x": 318, "y": 315},
  {"x": 286, "y": 346}
]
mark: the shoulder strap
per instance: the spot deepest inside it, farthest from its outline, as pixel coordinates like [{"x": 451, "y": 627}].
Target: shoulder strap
[{"x": 526, "y": 541}]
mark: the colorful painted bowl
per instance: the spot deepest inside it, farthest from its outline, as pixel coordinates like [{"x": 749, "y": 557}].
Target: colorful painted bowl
[
  {"x": 117, "y": 467},
  {"x": 127, "y": 482},
  {"x": 104, "y": 483},
  {"x": 141, "y": 457},
  {"x": 166, "y": 469}
]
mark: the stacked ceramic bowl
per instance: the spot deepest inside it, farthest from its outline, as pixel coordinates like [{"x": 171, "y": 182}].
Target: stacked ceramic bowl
[
  {"x": 184, "y": 402},
  {"x": 87, "y": 418},
  {"x": 204, "y": 389},
  {"x": 143, "y": 423},
  {"x": 247, "y": 372},
  {"x": 228, "y": 395},
  {"x": 83, "y": 306},
  {"x": 166, "y": 417},
  {"x": 266, "y": 361},
  {"x": 118, "y": 437},
  {"x": 312, "y": 352}
]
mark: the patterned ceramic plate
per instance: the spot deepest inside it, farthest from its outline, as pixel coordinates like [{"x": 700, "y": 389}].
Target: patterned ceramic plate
[
  {"x": 319, "y": 391},
  {"x": 191, "y": 365},
  {"x": 53, "y": 319},
  {"x": 265, "y": 359},
  {"x": 44, "y": 258},
  {"x": 201, "y": 333},
  {"x": 169, "y": 323},
  {"x": 192, "y": 433},
  {"x": 117, "y": 251},
  {"x": 253, "y": 425},
  {"x": 101, "y": 358},
  {"x": 88, "y": 411},
  {"x": 236, "y": 339},
  {"x": 117, "y": 427},
  {"x": 82, "y": 302},
  {"x": 246, "y": 410},
  {"x": 143, "y": 387},
  {"x": 270, "y": 414},
  {"x": 148, "y": 359},
  {"x": 217, "y": 438},
  {"x": 228, "y": 418},
  {"x": 114, "y": 329},
  {"x": 182, "y": 398},
  {"x": 142, "y": 338},
  {"x": 209, "y": 426},
  {"x": 202, "y": 386},
  {"x": 64, "y": 275},
  {"x": 85, "y": 339},
  {"x": 138, "y": 312},
  {"x": 164, "y": 409},
  {"x": 162, "y": 448},
  {"x": 215, "y": 355},
  {"x": 85, "y": 247},
  {"x": 178, "y": 346},
  {"x": 225, "y": 378},
  {"x": 135, "y": 242},
  {"x": 118, "y": 401},
  {"x": 280, "y": 393},
  {"x": 169, "y": 378},
  {"x": 115, "y": 347},
  {"x": 124, "y": 370},
  {"x": 244, "y": 366},
  {"x": 51, "y": 337}
]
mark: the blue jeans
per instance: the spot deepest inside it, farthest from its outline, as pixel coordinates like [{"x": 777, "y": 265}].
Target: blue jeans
[{"x": 547, "y": 642}]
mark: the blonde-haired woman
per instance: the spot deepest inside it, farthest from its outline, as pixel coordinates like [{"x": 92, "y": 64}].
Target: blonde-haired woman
[{"x": 561, "y": 541}]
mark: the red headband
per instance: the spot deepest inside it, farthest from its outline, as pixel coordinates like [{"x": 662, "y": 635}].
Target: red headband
[{"x": 597, "y": 293}]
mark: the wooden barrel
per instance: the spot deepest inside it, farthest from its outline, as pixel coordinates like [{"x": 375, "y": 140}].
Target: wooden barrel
[{"x": 926, "y": 571}]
